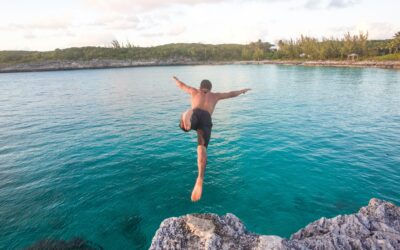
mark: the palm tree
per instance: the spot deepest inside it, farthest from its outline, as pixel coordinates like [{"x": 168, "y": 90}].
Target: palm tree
[
  {"x": 395, "y": 43},
  {"x": 115, "y": 44}
]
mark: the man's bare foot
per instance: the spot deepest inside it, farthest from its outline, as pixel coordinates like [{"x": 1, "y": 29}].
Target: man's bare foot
[{"x": 198, "y": 188}]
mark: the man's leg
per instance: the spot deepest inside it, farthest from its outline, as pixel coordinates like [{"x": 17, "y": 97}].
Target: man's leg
[
  {"x": 186, "y": 118},
  {"x": 201, "y": 163}
]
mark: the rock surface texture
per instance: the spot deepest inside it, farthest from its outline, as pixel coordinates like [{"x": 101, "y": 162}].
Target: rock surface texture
[{"x": 376, "y": 226}]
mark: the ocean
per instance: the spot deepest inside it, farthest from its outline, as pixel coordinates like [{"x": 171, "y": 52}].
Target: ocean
[{"x": 98, "y": 154}]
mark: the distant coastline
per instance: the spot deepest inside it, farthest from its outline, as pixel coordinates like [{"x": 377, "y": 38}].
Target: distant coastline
[
  {"x": 348, "y": 51},
  {"x": 107, "y": 63}
]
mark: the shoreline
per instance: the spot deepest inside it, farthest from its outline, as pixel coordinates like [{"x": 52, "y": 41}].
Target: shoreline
[{"x": 106, "y": 63}]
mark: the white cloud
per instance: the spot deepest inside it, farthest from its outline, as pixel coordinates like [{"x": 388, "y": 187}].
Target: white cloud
[
  {"x": 312, "y": 4},
  {"x": 50, "y": 23},
  {"x": 116, "y": 22},
  {"x": 141, "y": 5},
  {"x": 341, "y": 3},
  {"x": 176, "y": 30},
  {"x": 153, "y": 22},
  {"x": 93, "y": 39},
  {"x": 375, "y": 30},
  {"x": 29, "y": 35},
  {"x": 122, "y": 6},
  {"x": 331, "y": 4}
]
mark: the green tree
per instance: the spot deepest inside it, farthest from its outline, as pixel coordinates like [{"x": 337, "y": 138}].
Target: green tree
[
  {"x": 258, "y": 54},
  {"x": 394, "y": 45},
  {"x": 246, "y": 54},
  {"x": 309, "y": 46}
]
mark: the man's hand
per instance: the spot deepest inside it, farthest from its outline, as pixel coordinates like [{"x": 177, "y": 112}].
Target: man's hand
[
  {"x": 175, "y": 78},
  {"x": 243, "y": 91}
]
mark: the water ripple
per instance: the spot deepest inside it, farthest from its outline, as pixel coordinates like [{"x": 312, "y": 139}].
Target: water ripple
[{"x": 98, "y": 153}]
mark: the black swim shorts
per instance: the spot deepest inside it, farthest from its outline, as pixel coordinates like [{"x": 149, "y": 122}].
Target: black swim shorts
[{"x": 202, "y": 123}]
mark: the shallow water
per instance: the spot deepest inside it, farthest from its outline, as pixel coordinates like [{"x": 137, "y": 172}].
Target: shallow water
[{"x": 98, "y": 153}]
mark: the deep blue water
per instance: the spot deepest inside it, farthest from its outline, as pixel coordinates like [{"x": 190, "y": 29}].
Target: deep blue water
[{"x": 98, "y": 153}]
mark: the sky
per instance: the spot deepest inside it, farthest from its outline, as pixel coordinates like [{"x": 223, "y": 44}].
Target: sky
[{"x": 47, "y": 25}]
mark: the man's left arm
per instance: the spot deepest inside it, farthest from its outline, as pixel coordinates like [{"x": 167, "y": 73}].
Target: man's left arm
[{"x": 231, "y": 94}]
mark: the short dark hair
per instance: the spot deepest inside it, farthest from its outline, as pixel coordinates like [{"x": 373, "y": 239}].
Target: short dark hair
[{"x": 205, "y": 84}]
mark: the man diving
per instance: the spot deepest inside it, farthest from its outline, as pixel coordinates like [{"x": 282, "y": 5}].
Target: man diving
[{"x": 199, "y": 118}]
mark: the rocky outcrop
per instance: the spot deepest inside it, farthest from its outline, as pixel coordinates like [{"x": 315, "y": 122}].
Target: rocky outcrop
[{"x": 376, "y": 226}]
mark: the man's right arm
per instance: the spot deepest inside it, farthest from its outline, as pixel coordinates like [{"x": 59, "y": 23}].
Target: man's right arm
[
  {"x": 231, "y": 94},
  {"x": 184, "y": 87}
]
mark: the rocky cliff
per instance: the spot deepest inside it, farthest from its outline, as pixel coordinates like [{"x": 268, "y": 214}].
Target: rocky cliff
[{"x": 376, "y": 226}]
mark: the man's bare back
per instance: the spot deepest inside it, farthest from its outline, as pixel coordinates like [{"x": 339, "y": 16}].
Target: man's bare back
[
  {"x": 205, "y": 99},
  {"x": 199, "y": 118}
]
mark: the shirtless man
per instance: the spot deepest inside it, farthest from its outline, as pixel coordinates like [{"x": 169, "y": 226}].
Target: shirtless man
[{"x": 199, "y": 118}]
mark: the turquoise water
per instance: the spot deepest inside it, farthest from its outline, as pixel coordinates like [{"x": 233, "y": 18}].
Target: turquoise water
[{"x": 98, "y": 153}]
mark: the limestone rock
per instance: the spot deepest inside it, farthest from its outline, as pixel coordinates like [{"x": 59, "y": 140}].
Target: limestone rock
[
  {"x": 376, "y": 226},
  {"x": 209, "y": 231}
]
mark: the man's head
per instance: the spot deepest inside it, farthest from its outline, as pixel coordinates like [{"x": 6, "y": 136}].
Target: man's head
[{"x": 205, "y": 84}]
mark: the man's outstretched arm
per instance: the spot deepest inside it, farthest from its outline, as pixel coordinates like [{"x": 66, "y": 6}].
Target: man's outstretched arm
[
  {"x": 231, "y": 94},
  {"x": 184, "y": 87}
]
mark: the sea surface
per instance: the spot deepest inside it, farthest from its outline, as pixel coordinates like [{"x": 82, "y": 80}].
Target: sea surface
[{"x": 98, "y": 154}]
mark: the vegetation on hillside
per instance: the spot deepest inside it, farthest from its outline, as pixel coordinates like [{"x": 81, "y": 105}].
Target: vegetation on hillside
[
  {"x": 303, "y": 48},
  {"x": 311, "y": 48},
  {"x": 177, "y": 52}
]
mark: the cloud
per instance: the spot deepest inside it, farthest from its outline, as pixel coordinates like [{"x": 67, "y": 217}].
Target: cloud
[
  {"x": 154, "y": 22},
  {"x": 116, "y": 22},
  {"x": 312, "y": 4},
  {"x": 376, "y": 30},
  {"x": 29, "y": 35},
  {"x": 331, "y": 4},
  {"x": 341, "y": 3},
  {"x": 173, "y": 31},
  {"x": 92, "y": 39},
  {"x": 142, "y": 5},
  {"x": 177, "y": 30},
  {"x": 39, "y": 24},
  {"x": 149, "y": 5}
]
